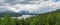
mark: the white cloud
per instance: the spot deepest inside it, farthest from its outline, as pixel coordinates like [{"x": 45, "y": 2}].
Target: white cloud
[
  {"x": 39, "y": 5},
  {"x": 2, "y": 0},
  {"x": 28, "y": 7}
]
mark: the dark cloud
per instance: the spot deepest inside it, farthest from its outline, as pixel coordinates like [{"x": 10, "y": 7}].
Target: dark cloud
[
  {"x": 13, "y": 2},
  {"x": 56, "y": 0}
]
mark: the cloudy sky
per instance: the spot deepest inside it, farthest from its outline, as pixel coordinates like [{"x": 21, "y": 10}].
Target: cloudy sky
[{"x": 36, "y": 6}]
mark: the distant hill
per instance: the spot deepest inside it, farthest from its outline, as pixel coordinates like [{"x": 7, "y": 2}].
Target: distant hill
[
  {"x": 17, "y": 14},
  {"x": 13, "y": 14}
]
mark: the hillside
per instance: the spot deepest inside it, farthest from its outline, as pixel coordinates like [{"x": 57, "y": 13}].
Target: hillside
[{"x": 50, "y": 18}]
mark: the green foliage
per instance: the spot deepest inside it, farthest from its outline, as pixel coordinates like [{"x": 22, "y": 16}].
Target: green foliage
[
  {"x": 7, "y": 20},
  {"x": 51, "y": 18}
]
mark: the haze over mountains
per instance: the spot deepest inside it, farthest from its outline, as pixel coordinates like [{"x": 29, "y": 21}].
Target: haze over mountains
[
  {"x": 14, "y": 14},
  {"x": 17, "y": 14}
]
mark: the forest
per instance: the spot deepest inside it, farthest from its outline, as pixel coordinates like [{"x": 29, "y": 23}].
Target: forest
[{"x": 50, "y": 18}]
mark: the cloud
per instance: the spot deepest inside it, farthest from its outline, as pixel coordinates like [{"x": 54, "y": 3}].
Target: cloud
[
  {"x": 56, "y": 0},
  {"x": 28, "y": 7},
  {"x": 39, "y": 7},
  {"x": 20, "y": 0},
  {"x": 33, "y": 6},
  {"x": 11, "y": 2},
  {"x": 1, "y": 0}
]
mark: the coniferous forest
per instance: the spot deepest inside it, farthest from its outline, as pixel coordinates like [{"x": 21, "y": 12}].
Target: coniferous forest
[{"x": 50, "y": 18}]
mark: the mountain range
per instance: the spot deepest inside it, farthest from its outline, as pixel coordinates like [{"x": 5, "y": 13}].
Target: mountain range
[{"x": 17, "y": 14}]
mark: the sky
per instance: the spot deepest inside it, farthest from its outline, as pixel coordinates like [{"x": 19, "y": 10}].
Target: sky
[{"x": 33, "y": 6}]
